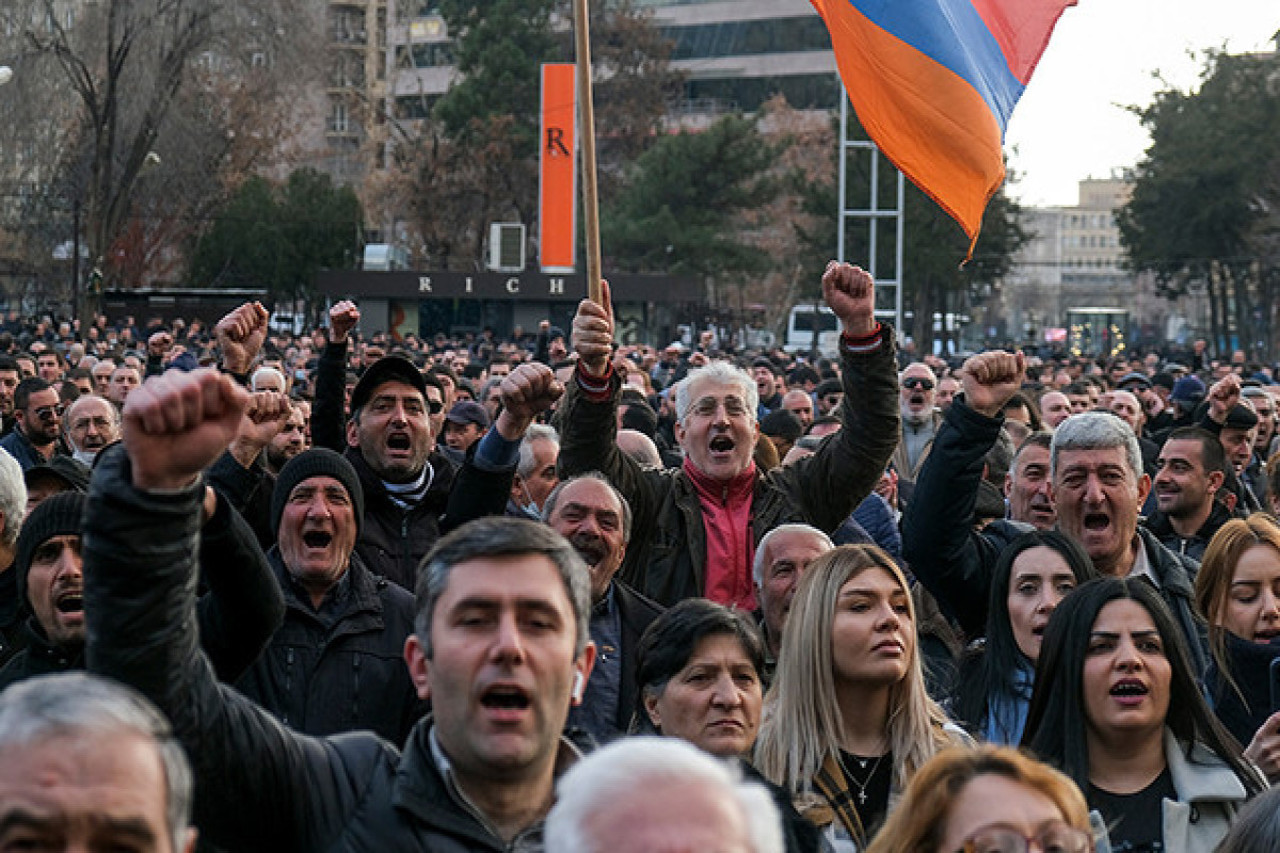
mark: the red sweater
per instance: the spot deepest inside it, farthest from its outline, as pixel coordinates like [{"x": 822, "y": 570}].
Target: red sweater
[{"x": 726, "y": 518}]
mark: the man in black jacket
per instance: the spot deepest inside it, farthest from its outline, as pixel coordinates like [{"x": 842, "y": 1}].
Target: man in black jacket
[
  {"x": 1098, "y": 487},
  {"x": 335, "y": 663},
  {"x": 596, "y": 520},
  {"x": 1192, "y": 470},
  {"x": 390, "y": 442},
  {"x": 48, "y": 570},
  {"x": 500, "y": 646}
]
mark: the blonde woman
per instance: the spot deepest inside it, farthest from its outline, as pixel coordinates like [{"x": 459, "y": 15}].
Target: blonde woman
[{"x": 848, "y": 720}]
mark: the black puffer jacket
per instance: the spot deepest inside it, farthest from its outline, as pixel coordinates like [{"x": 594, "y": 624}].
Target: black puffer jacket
[
  {"x": 1193, "y": 546},
  {"x": 259, "y": 786},
  {"x": 341, "y": 669},
  {"x": 237, "y": 615},
  {"x": 667, "y": 555},
  {"x": 955, "y": 563}
]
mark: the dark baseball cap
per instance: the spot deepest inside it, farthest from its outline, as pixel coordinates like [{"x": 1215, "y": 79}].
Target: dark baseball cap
[
  {"x": 65, "y": 470},
  {"x": 1135, "y": 378},
  {"x": 390, "y": 368},
  {"x": 468, "y": 412}
]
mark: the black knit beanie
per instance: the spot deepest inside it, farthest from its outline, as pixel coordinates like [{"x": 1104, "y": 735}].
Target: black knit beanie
[
  {"x": 58, "y": 515},
  {"x": 316, "y": 462}
]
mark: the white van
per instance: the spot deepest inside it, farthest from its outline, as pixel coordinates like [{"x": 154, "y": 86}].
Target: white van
[{"x": 800, "y": 330}]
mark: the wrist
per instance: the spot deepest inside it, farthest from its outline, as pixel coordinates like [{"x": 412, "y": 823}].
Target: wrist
[
  {"x": 245, "y": 451},
  {"x": 510, "y": 426},
  {"x": 162, "y": 482}
]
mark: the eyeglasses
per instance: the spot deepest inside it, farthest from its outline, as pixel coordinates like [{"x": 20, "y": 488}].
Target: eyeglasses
[
  {"x": 48, "y": 413},
  {"x": 918, "y": 382},
  {"x": 1054, "y": 838}
]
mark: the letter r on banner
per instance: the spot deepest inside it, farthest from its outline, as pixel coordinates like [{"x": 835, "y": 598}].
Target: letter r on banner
[{"x": 557, "y": 190}]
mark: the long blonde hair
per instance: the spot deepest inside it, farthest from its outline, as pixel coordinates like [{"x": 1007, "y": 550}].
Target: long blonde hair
[{"x": 802, "y": 722}]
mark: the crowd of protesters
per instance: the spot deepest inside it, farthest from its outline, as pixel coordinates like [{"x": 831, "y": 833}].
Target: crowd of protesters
[{"x": 337, "y": 591}]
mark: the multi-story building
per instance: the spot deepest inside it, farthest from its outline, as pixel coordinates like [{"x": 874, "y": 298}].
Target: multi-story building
[
  {"x": 739, "y": 53},
  {"x": 1075, "y": 260}
]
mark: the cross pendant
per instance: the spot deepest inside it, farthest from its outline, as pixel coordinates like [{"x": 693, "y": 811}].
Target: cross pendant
[{"x": 862, "y": 798}]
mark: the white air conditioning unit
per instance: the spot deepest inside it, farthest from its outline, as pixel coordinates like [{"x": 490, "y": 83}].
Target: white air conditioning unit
[{"x": 506, "y": 247}]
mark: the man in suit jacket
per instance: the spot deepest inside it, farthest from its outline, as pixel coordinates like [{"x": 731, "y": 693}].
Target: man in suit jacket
[{"x": 596, "y": 520}]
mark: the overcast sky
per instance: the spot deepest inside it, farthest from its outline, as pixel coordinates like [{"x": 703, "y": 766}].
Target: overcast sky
[{"x": 1071, "y": 122}]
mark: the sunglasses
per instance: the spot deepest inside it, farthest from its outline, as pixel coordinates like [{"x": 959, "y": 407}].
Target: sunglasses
[
  {"x": 48, "y": 413},
  {"x": 918, "y": 382}
]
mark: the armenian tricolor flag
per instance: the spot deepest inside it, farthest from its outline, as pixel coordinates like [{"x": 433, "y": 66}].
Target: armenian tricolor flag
[{"x": 935, "y": 81}]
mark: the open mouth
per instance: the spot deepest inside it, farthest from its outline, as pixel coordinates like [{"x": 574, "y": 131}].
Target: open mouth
[
  {"x": 317, "y": 538},
  {"x": 1096, "y": 521},
  {"x": 398, "y": 441},
  {"x": 1266, "y": 635},
  {"x": 71, "y": 601},
  {"x": 505, "y": 698},
  {"x": 1129, "y": 688},
  {"x": 590, "y": 548},
  {"x": 722, "y": 444}
]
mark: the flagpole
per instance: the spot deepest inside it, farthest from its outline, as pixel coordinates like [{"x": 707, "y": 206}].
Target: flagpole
[{"x": 587, "y": 134}]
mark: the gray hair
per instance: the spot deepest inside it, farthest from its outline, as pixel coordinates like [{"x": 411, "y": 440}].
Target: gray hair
[
  {"x": 501, "y": 537},
  {"x": 549, "y": 505},
  {"x": 535, "y": 432},
  {"x": 1095, "y": 431},
  {"x": 77, "y": 703},
  {"x": 267, "y": 372},
  {"x": 719, "y": 373},
  {"x": 622, "y": 771},
  {"x": 13, "y": 498},
  {"x": 758, "y": 566},
  {"x": 1256, "y": 828}
]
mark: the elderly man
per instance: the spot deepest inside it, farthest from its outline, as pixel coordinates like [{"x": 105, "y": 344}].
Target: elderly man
[
  {"x": 920, "y": 423},
  {"x": 1097, "y": 485},
  {"x": 500, "y": 646},
  {"x": 661, "y": 794},
  {"x": 1026, "y": 486},
  {"x": 784, "y": 554},
  {"x": 87, "y": 764},
  {"x": 1192, "y": 470},
  {"x": 596, "y": 520},
  {"x": 36, "y": 435},
  {"x": 696, "y": 528},
  {"x": 536, "y": 474},
  {"x": 334, "y": 664},
  {"x": 91, "y": 423}
]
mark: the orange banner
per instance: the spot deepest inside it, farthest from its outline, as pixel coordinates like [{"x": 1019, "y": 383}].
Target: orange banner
[{"x": 558, "y": 175}]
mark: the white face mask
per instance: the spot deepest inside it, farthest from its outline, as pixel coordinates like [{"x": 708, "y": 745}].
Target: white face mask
[{"x": 85, "y": 457}]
